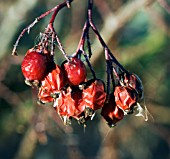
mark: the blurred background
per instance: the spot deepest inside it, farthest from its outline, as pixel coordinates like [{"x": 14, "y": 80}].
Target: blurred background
[{"x": 138, "y": 34}]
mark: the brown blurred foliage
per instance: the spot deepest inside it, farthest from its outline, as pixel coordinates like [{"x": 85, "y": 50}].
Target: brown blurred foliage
[{"x": 137, "y": 32}]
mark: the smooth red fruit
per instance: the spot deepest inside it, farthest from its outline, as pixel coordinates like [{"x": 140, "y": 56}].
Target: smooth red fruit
[
  {"x": 51, "y": 85},
  {"x": 94, "y": 95},
  {"x": 75, "y": 71},
  {"x": 125, "y": 98},
  {"x": 35, "y": 65},
  {"x": 111, "y": 112}
]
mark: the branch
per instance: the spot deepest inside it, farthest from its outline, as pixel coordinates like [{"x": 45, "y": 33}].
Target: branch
[
  {"x": 56, "y": 9},
  {"x": 113, "y": 22}
]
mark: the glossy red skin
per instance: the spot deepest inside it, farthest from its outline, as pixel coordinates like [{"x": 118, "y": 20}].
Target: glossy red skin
[
  {"x": 112, "y": 113},
  {"x": 70, "y": 104},
  {"x": 75, "y": 71},
  {"x": 34, "y": 65},
  {"x": 52, "y": 84},
  {"x": 94, "y": 96},
  {"x": 125, "y": 98}
]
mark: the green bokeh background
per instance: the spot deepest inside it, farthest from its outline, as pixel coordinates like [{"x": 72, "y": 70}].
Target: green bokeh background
[{"x": 31, "y": 131}]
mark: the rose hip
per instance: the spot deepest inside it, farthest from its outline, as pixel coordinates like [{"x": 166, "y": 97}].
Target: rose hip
[
  {"x": 69, "y": 104},
  {"x": 125, "y": 98},
  {"x": 51, "y": 85},
  {"x": 111, "y": 112},
  {"x": 94, "y": 95},
  {"x": 133, "y": 82},
  {"x": 35, "y": 65},
  {"x": 75, "y": 71}
]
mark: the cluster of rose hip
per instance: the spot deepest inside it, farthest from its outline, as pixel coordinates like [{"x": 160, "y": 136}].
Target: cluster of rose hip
[{"x": 73, "y": 94}]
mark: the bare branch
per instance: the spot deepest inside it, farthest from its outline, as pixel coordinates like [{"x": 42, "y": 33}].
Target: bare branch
[
  {"x": 56, "y": 9},
  {"x": 113, "y": 22}
]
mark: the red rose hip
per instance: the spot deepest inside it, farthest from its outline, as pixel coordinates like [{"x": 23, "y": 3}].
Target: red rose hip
[
  {"x": 35, "y": 65},
  {"x": 75, "y": 71},
  {"x": 51, "y": 85},
  {"x": 125, "y": 98},
  {"x": 111, "y": 112},
  {"x": 94, "y": 95}
]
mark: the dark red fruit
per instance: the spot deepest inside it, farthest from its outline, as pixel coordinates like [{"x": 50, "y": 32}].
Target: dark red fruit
[
  {"x": 69, "y": 104},
  {"x": 35, "y": 65},
  {"x": 51, "y": 85},
  {"x": 112, "y": 113},
  {"x": 133, "y": 82},
  {"x": 125, "y": 98},
  {"x": 75, "y": 71},
  {"x": 94, "y": 95}
]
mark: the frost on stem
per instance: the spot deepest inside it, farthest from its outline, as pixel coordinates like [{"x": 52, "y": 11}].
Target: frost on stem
[{"x": 72, "y": 94}]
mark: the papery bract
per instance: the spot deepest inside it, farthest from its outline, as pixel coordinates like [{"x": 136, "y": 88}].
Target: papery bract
[
  {"x": 94, "y": 95},
  {"x": 51, "y": 85},
  {"x": 69, "y": 103},
  {"x": 125, "y": 98},
  {"x": 133, "y": 82}
]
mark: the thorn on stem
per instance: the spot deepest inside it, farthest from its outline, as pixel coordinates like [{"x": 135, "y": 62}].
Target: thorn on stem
[
  {"x": 14, "y": 51},
  {"x": 68, "y": 4}
]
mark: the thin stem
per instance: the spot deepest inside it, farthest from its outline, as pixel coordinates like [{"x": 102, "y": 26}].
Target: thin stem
[
  {"x": 52, "y": 44},
  {"x": 14, "y": 51},
  {"x": 61, "y": 48},
  {"x": 112, "y": 76},
  {"x": 87, "y": 37},
  {"x": 89, "y": 64},
  {"x": 83, "y": 36},
  {"x": 111, "y": 57},
  {"x": 88, "y": 44},
  {"x": 53, "y": 16},
  {"x": 80, "y": 48},
  {"x": 51, "y": 27},
  {"x": 108, "y": 79}
]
